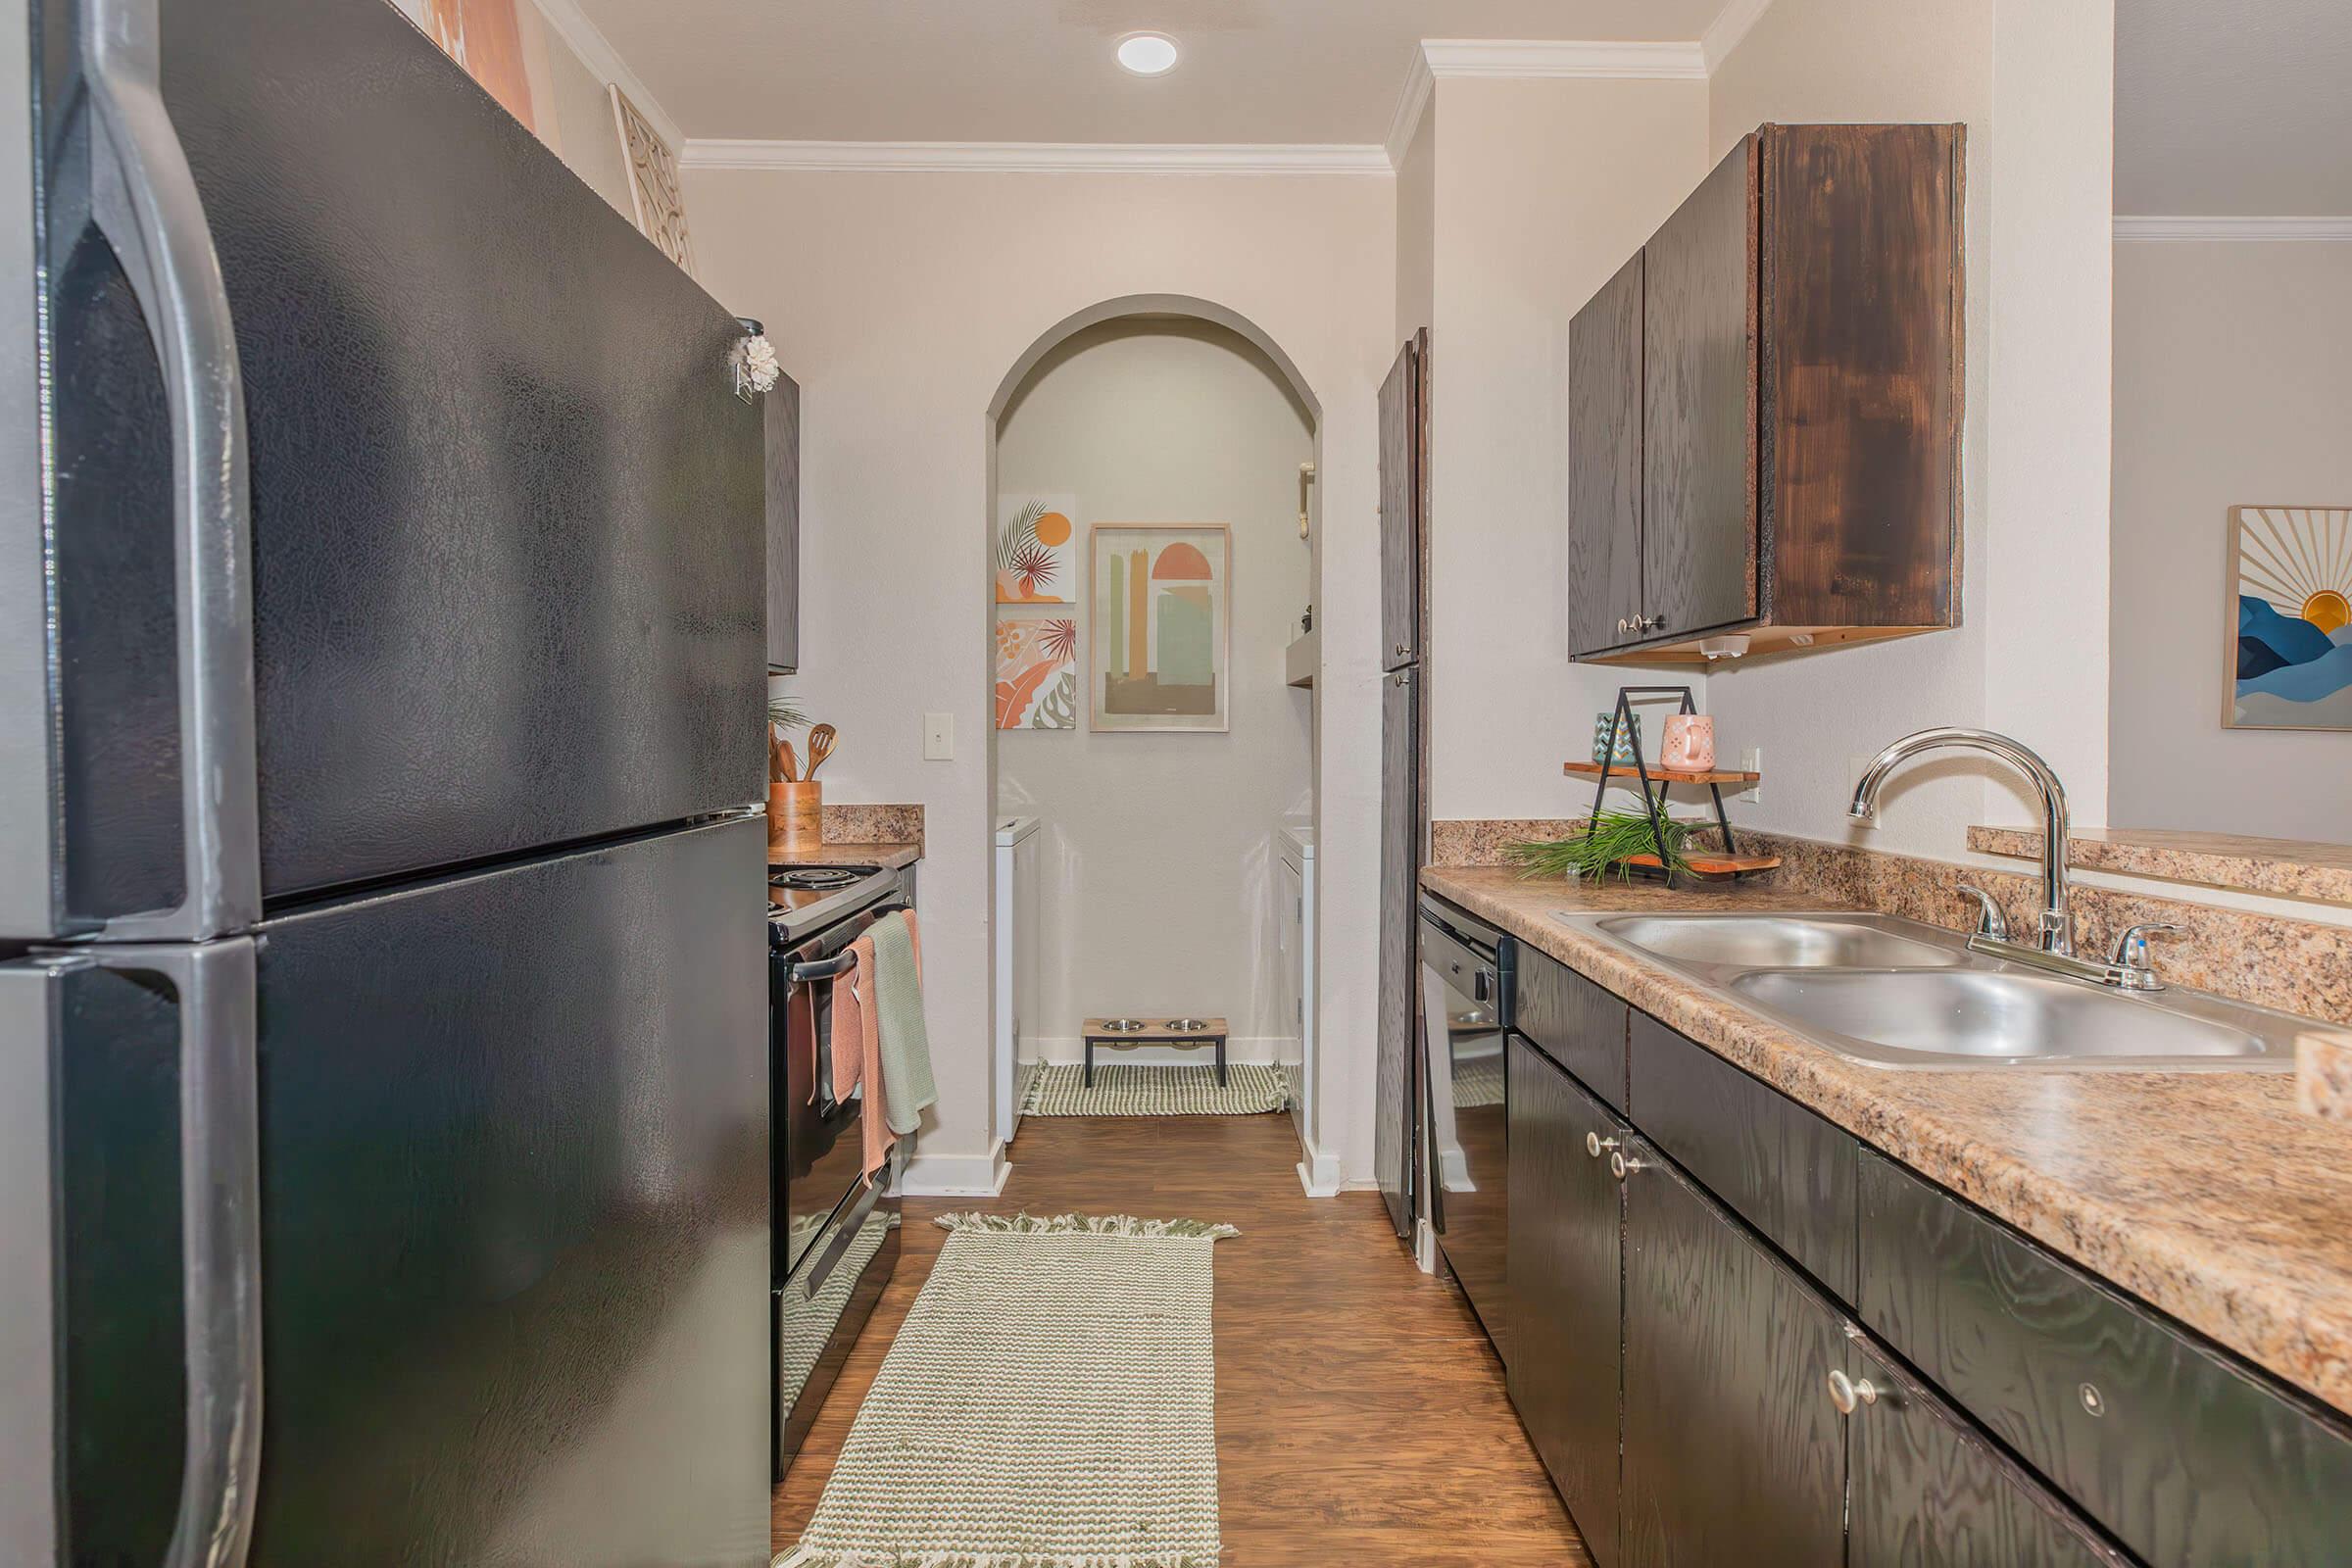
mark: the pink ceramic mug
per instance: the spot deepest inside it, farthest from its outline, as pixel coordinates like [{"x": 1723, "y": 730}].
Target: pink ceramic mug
[{"x": 1689, "y": 742}]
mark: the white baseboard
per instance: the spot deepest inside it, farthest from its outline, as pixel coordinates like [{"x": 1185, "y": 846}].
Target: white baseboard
[
  {"x": 1266, "y": 1050},
  {"x": 957, "y": 1175},
  {"x": 1319, "y": 1173}
]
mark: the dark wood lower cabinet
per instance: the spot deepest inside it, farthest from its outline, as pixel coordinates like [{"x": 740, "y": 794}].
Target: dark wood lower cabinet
[
  {"x": 1925, "y": 1490},
  {"x": 1733, "y": 1453},
  {"x": 1565, "y": 1276}
]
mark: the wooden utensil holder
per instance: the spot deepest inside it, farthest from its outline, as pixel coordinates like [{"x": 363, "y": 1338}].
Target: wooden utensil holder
[{"x": 795, "y": 816}]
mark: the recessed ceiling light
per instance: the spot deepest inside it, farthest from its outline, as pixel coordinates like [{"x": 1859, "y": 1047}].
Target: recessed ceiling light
[{"x": 1147, "y": 54}]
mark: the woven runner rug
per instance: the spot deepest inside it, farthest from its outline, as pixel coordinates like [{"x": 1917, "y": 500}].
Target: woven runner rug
[
  {"x": 1128, "y": 1090},
  {"x": 1050, "y": 1403}
]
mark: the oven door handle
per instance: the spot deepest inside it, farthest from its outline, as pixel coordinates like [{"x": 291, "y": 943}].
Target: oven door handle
[{"x": 841, "y": 964}]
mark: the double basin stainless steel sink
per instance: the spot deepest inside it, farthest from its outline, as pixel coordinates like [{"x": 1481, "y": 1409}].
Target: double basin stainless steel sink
[{"x": 1898, "y": 993}]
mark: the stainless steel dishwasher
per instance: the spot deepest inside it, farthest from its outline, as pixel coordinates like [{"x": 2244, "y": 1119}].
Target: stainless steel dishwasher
[{"x": 1465, "y": 1002}]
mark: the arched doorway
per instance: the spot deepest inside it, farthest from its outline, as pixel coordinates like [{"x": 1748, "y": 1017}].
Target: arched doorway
[{"x": 1164, "y": 875}]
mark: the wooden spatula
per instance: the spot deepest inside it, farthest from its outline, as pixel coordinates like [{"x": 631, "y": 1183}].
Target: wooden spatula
[{"x": 820, "y": 747}]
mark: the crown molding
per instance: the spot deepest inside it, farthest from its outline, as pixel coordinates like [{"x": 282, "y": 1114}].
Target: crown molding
[
  {"x": 1034, "y": 157},
  {"x": 597, "y": 53},
  {"x": 1723, "y": 33},
  {"x": 1419, "y": 83},
  {"x": 1554, "y": 59},
  {"x": 2233, "y": 228},
  {"x": 1563, "y": 57}
]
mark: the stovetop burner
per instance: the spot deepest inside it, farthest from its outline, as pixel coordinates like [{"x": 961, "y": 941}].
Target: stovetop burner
[{"x": 816, "y": 878}]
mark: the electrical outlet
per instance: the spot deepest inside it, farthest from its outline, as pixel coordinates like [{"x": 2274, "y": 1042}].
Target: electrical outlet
[
  {"x": 1751, "y": 761},
  {"x": 938, "y": 737}
]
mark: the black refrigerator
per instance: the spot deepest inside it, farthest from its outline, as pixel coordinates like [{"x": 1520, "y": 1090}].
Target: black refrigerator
[{"x": 383, "y": 1068}]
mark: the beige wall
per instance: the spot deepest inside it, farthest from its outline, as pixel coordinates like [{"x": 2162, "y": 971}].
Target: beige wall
[
  {"x": 1416, "y": 224},
  {"x": 575, "y": 113},
  {"x": 2033, "y": 80},
  {"x": 900, "y": 302},
  {"x": 2232, "y": 387},
  {"x": 1157, "y": 851},
  {"x": 1543, "y": 189}
]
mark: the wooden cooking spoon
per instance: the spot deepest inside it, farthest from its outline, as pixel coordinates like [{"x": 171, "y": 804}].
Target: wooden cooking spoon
[
  {"x": 788, "y": 764},
  {"x": 820, "y": 747}
]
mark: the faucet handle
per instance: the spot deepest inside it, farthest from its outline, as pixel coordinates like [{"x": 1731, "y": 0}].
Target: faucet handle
[
  {"x": 1991, "y": 921},
  {"x": 2131, "y": 948}
]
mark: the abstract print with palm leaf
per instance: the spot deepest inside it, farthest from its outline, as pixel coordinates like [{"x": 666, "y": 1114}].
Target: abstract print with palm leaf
[
  {"x": 2290, "y": 663},
  {"x": 1037, "y": 672},
  {"x": 1033, "y": 555}
]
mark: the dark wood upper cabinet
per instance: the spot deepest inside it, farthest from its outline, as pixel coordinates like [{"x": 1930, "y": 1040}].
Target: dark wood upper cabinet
[
  {"x": 1604, "y": 462},
  {"x": 1798, "y": 377},
  {"x": 1698, "y": 406},
  {"x": 782, "y": 414}
]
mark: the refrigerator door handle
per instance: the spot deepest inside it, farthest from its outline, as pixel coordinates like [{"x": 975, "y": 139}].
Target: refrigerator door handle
[
  {"x": 144, "y": 200},
  {"x": 220, "y": 1231},
  {"x": 29, "y": 1460}
]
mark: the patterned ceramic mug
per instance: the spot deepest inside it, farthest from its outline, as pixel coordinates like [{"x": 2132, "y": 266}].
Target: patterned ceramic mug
[
  {"x": 1690, "y": 745},
  {"x": 1628, "y": 739}
]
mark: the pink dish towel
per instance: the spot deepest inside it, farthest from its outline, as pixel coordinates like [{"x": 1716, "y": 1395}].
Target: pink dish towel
[{"x": 856, "y": 1046}]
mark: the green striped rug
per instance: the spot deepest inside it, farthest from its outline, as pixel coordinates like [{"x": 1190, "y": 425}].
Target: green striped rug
[
  {"x": 1149, "y": 1089},
  {"x": 1050, "y": 1403}
]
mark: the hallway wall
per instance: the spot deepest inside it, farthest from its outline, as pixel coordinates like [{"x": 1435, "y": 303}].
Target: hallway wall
[
  {"x": 1157, "y": 855},
  {"x": 2232, "y": 387},
  {"x": 899, "y": 302}
]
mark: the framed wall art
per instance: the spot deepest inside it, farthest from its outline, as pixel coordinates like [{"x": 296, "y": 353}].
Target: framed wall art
[
  {"x": 2288, "y": 660},
  {"x": 1162, "y": 599}
]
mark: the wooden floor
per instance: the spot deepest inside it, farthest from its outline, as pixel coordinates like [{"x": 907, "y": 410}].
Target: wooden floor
[{"x": 1361, "y": 1412}]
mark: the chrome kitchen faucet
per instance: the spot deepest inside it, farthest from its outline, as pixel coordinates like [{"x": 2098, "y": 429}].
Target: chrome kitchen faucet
[{"x": 2053, "y": 950}]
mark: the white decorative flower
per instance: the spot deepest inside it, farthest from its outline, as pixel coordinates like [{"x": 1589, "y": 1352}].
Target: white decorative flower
[{"x": 760, "y": 366}]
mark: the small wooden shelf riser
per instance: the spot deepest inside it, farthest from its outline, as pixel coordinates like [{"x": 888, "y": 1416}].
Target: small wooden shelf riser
[{"x": 1659, "y": 775}]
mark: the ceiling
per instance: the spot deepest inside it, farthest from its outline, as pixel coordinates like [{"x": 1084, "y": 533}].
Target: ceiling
[
  {"x": 2233, "y": 110},
  {"x": 1251, "y": 71}
]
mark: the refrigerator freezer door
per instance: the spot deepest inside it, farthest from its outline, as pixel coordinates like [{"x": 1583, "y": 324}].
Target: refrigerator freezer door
[
  {"x": 507, "y": 509},
  {"x": 126, "y": 1077},
  {"x": 514, "y": 1155}
]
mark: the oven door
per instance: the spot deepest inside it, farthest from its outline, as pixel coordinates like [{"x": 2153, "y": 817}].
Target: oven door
[
  {"x": 819, "y": 1151},
  {"x": 1462, "y": 991}
]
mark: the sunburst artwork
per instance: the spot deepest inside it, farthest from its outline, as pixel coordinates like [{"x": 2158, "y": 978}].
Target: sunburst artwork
[
  {"x": 2291, "y": 663},
  {"x": 1033, "y": 555}
]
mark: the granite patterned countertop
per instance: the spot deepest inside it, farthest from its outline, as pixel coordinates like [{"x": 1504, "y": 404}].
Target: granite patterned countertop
[
  {"x": 2206, "y": 1194},
  {"x": 2292, "y": 868},
  {"x": 889, "y": 857}
]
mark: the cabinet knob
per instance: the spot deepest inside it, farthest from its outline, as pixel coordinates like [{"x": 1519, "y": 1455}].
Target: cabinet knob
[
  {"x": 1850, "y": 1393},
  {"x": 1622, "y": 1167},
  {"x": 1623, "y": 625},
  {"x": 1595, "y": 1144},
  {"x": 1404, "y": 650}
]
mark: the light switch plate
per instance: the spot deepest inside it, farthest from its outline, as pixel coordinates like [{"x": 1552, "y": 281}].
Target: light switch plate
[
  {"x": 938, "y": 737},
  {"x": 1751, "y": 761}
]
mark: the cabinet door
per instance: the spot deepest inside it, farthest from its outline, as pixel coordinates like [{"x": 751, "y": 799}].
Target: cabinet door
[
  {"x": 1402, "y": 456},
  {"x": 1930, "y": 1490},
  {"x": 1604, "y": 464},
  {"x": 783, "y": 413},
  {"x": 1733, "y": 1452},
  {"x": 1395, "y": 1093},
  {"x": 1564, "y": 1273},
  {"x": 1699, "y": 427}
]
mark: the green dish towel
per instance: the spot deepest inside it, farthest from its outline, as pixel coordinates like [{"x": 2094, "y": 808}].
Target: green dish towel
[{"x": 896, "y": 990}]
